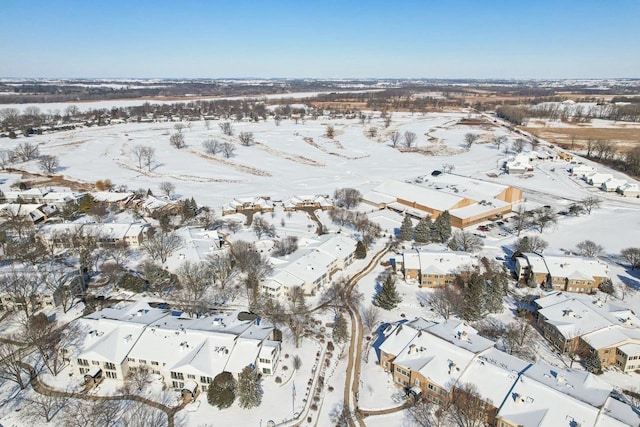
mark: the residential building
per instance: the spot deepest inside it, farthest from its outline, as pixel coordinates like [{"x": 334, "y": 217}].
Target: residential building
[
  {"x": 107, "y": 234},
  {"x": 569, "y": 320},
  {"x": 441, "y": 361},
  {"x": 252, "y": 204},
  {"x": 311, "y": 267},
  {"x": 433, "y": 269},
  {"x": 173, "y": 345},
  {"x": 31, "y": 213},
  {"x": 561, "y": 273},
  {"x": 616, "y": 345},
  {"x": 612, "y": 185},
  {"x": 306, "y": 202},
  {"x": 630, "y": 189},
  {"x": 597, "y": 178},
  {"x": 119, "y": 198}
]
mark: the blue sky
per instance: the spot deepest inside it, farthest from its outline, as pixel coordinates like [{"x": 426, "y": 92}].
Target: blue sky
[{"x": 324, "y": 39}]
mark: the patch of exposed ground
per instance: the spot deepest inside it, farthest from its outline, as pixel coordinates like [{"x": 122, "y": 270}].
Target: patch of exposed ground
[
  {"x": 288, "y": 156},
  {"x": 578, "y": 135},
  {"x": 338, "y": 145},
  {"x": 230, "y": 163},
  {"x": 187, "y": 178},
  {"x": 39, "y": 180},
  {"x": 433, "y": 150}
]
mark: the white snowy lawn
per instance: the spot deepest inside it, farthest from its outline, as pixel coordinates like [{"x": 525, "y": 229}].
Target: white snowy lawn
[{"x": 296, "y": 159}]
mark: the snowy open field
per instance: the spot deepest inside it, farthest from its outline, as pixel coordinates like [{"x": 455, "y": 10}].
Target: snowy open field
[{"x": 296, "y": 159}]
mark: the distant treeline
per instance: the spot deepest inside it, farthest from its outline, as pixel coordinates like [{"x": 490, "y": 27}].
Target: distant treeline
[{"x": 518, "y": 115}]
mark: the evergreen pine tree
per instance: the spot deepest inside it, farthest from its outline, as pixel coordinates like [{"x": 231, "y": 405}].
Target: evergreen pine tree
[
  {"x": 222, "y": 391},
  {"x": 423, "y": 230},
  {"x": 406, "y": 230},
  {"x": 593, "y": 364},
  {"x": 388, "y": 297},
  {"x": 442, "y": 228},
  {"x": 361, "y": 250},
  {"x": 249, "y": 388},
  {"x": 497, "y": 282},
  {"x": 340, "y": 331},
  {"x": 3, "y": 198},
  {"x": 473, "y": 287}
]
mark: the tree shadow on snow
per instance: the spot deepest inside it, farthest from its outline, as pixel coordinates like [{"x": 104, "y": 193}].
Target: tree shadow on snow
[{"x": 633, "y": 283}]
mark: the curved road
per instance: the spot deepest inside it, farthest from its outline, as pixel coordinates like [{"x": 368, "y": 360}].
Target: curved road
[{"x": 355, "y": 348}]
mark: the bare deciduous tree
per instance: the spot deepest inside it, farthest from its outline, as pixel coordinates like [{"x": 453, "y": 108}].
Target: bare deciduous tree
[
  {"x": 44, "y": 407},
  {"x": 372, "y": 132},
  {"x": 468, "y": 408},
  {"x": 137, "y": 152},
  {"x": 227, "y": 149},
  {"x": 395, "y": 138},
  {"x": 148, "y": 155},
  {"x": 498, "y": 140},
  {"x": 409, "y": 138},
  {"x": 262, "y": 227},
  {"x": 448, "y": 167},
  {"x": 246, "y": 138},
  {"x": 465, "y": 241},
  {"x": 445, "y": 301},
  {"x": 330, "y": 131},
  {"x": 285, "y": 246},
  {"x": 195, "y": 279},
  {"x": 339, "y": 296},
  {"x": 162, "y": 245},
  {"x": 521, "y": 220},
  {"x": 223, "y": 267},
  {"x": 544, "y": 216},
  {"x": 348, "y": 198},
  {"x": 211, "y": 146},
  {"x": 589, "y": 249},
  {"x": 177, "y": 140},
  {"x": 251, "y": 262},
  {"x": 27, "y": 151},
  {"x": 48, "y": 164},
  {"x": 519, "y": 339},
  {"x": 518, "y": 145},
  {"x": 632, "y": 256},
  {"x": 530, "y": 244},
  {"x": 370, "y": 316},
  {"x": 226, "y": 128},
  {"x": 470, "y": 139},
  {"x": 590, "y": 203},
  {"x": 11, "y": 369},
  {"x": 167, "y": 188}
]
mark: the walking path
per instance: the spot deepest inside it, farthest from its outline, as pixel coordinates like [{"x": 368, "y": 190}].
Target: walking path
[
  {"x": 44, "y": 389},
  {"x": 352, "y": 382}
]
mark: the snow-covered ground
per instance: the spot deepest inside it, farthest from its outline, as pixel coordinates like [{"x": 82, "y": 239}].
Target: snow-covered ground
[{"x": 296, "y": 159}]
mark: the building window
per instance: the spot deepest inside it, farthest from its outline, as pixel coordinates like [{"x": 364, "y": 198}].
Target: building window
[
  {"x": 266, "y": 371},
  {"x": 154, "y": 363},
  {"x": 177, "y": 375},
  {"x": 205, "y": 380},
  {"x": 111, "y": 375},
  {"x": 83, "y": 362},
  {"x": 143, "y": 362},
  {"x": 191, "y": 376},
  {"x": 84, "y": 371},
  {"x": 177, "y": 384},
  {"x": 109, "y": 365},
  {"x": 265, "y": 360}
]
